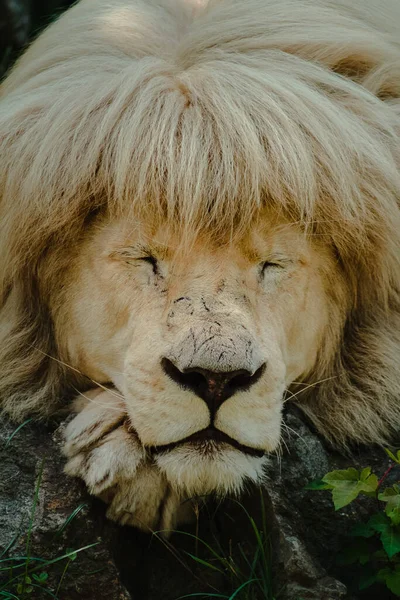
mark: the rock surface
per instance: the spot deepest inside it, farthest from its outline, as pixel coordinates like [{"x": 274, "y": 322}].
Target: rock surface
[
  {"x": 34, "y": 489},
  {"x": 303, "y": 532}
]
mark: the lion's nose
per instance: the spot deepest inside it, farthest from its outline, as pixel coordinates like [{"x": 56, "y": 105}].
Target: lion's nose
[{"x": 213, "y": 387}]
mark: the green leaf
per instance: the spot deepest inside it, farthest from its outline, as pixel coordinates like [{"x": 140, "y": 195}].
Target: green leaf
[
  {"x": 358, "y": 551},
  {"x": 344, "y": 494},
  {"x": 334, "y": 477},
  {"x": 362, "y": 530},
  {"x": 365, "y": 473},
  {"x": 387, "y": 494},
  {"x": 347, "y": 484},
  {"x": 41, "y": 578},
  {"x": 390, "y": 539},
  {"x": 389, "y": 533},
  {"x": 382, "y": 574},
  {"x": 366, "y": 580},
  {"x": 318, "y": 484},
  {"x": 379, "y": 522},
  {"x": 391, "y": 578},
  {"x": 393, "y": 583},
  {"x": 370, "y": 484},
  {"x": 396, "y": 458},
  {"x": 392, "y": 508},
  {"x": 380, "y": 555}
]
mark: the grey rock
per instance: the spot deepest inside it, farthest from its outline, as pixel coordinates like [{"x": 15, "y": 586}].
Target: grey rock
[
  {"x": 326, "y": 589},
  {"x": 36, "y": 505}
]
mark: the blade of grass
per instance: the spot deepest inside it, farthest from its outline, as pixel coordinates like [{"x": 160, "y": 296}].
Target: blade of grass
[
  {"x": 209, "y": 548},
  {"x": 253, "y": 567},
  {"x": 10, "y": 558},
  {"x": 51, "y": 562},
  {"x": 8, "y": 595},
  {"x": 70, "y": 518},
  {"x": 267, "y": 580},
  {"x": 22, "y": 564},
  {"x": 241, "y": 587},
  {"x": 260, "y": 544},
  {"x": 171, "y": 549},
  {"x": 33, "y": 513},
  {"x": 264, "y": 558},
  {"x": 205, "y": 563},
  {"x": 174, "y": 553},
  {"x": 203, "y": 595},
  {"x": 11, "y": 543},
  {"x": 66, "y": 555},
  {"x": 248, "y": 563},
  {"x": 14, "y": 433},
  {"x": 43, "y": 589},
  {"x": 225, "y": 562},
  {"x": 263, "y": 514},
  {"x": 96, "y": 571},
  {"x": 63, "y": 575}
]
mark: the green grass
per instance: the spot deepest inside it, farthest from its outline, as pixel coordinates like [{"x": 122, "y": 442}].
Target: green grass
[{"x": 246, "y": 578}]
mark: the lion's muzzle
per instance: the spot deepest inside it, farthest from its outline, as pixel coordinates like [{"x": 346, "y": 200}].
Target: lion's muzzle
[{"x": 213, "y": 387}]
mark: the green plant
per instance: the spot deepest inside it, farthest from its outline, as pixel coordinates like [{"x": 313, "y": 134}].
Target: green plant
[
  {"x": 375, "y": 545},
  {"x": 246, "y": 578}
]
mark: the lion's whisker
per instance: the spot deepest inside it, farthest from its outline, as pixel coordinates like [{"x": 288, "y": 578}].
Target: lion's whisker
[
  {"x": 279, "y": 450},
  {"x": 307, "y": 386},
  {"x": 290, "y": 430},
  {"x": 95, "y": 401},
  {"x": 64, "y": 364}
]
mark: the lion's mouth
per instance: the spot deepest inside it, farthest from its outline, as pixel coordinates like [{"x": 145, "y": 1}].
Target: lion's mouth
[{"x": 209, "y": 438}]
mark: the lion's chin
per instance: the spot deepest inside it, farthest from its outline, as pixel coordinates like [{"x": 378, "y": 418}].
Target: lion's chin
[{"x": 210, "y": 468}]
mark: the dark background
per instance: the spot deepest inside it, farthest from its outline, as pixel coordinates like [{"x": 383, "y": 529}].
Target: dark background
[{"x": 20, "y": 22}]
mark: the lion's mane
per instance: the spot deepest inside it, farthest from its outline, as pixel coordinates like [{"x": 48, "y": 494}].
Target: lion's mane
[{"x": 204, "y": 113}]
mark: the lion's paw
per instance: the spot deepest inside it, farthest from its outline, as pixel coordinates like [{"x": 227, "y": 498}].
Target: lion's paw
[{"x": 104, "y": 451}]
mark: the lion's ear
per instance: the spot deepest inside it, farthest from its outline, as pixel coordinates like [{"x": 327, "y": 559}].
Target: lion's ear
[{"x": 33, "y": 381}]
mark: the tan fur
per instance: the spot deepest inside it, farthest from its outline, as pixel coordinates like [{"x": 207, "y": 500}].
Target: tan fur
[
  {"x": 113, "y": 465},
  {"x": 218, "y": 134}
]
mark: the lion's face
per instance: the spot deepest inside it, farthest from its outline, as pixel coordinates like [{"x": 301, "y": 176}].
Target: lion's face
[{"x": 201, "y": 343}]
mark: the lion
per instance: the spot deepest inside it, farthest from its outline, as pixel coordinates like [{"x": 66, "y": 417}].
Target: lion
[{"x": 199, "y": 222}]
